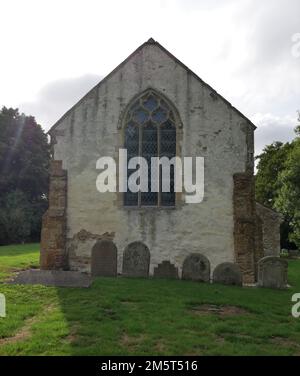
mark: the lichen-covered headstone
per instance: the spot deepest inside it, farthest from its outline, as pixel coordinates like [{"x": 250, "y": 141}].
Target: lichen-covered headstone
[
  {"x": 272, "y": 272},
  {"x": 136, "y": 260},
  {"x": 228, "y": 273},
  {"x": 196, "y": 267}
]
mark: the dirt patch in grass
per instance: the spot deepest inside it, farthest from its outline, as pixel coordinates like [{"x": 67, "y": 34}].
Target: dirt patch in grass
[
  {"x": 285, "y": 342},
  {"x": 130, "y": 341},
  {"x": 22, "y": 334},
  {"x": 25, "y": 332},
  {"x": 109, "y": 313},
  {"x": 72, "y": 337},
  {"x": 160, "y": 347},
  {"x": 219, "y": 310}
]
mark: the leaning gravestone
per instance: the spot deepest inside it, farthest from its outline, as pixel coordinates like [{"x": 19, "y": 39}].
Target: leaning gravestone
[
  {"x": 136, "y": 260},
  {"x": 104, "y": 259},
  {"x": 228, "y": 273},
  {"x": 59, "y": 278},
  {"x": 196, "y": 267},
  {"x": 166, "y": 270},
  {"x": 272, "y": 272}
]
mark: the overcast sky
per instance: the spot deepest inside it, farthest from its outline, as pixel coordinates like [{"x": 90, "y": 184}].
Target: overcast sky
[{"x": 54, "y": 51}]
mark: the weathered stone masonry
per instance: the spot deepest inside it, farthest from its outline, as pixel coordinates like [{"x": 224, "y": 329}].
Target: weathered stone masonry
[
  {"x": 53, "y": 236},
  {"x": 244, "y": 224},
  {"x": 224, "y": 228}
]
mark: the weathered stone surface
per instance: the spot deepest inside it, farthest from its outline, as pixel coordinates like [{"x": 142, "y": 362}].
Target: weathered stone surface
[
  {"x": 244, "y": 224},
  {"x": 104, "y": 259},
  {"x": 196, "y": 267},
  {"x": 272, "y": 272},
  {"x": 79, "y": 249},
  {"x": 53, "y": 235},
  {"x": 166, "y": 270},
  {"x": 136, "y": 260},
  {"x": 59, "y": 278},
  {"x": 91, "y": 130},
  {"x": 271, "y": 221},
  {"x": 259, "y": 249},
  {"x": 227, "y": 273}
]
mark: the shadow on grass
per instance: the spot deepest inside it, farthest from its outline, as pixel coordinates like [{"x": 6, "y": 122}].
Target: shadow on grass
[{"x": 122, "y": 316}]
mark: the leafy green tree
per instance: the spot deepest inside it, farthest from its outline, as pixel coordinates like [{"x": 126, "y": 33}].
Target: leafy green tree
[
  {"x": 288, "y": 199},
  {"x": 24, "y": 162},
  {"x": 277, "y": 185},
  {"x": 15, "y": 217},
  {"x": 271, "y": 164}
]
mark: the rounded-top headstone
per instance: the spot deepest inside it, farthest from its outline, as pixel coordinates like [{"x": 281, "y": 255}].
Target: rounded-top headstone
[
  {"x": 104, "y": 259},
  {"x": 228, "y": 273},
  {"x": 136, "y": 260},
  {"x": 196, "y": 267}
]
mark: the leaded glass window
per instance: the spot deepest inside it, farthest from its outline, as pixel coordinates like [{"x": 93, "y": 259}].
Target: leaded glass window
[{"x": 150, "y": 131}]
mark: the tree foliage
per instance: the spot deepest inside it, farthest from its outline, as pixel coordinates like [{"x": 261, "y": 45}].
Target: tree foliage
[
  {"x": 24, "y": 160},
  {"x": 278, "y": 185}
]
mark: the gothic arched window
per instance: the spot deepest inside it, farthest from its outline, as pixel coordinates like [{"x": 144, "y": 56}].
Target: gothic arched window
[{"x": 150, "y": 131}]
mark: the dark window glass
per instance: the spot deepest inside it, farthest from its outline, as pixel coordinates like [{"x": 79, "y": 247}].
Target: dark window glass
[{"x": 150, "y": 132}]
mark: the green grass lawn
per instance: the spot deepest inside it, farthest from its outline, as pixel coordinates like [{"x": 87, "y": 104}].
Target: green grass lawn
[{"x": 119, "y": 316}]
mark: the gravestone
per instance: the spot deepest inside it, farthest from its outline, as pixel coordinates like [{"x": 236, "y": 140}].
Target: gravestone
[
  {"x": 272, "y": 272},
  {"x": 60, "y": 278},
  {"x": 196, "y": 267},
  {"x": 104, "y": 259},
  {"x": 166, "y": 270},
  {"x": 228, "y": 273},
  {"x": 136, "y": 260},
  {"x": 2, "y": 305}
]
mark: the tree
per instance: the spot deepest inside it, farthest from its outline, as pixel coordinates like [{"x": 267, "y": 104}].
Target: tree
[
  {"x": 277, "y": 185},
  {"x": 15, "y": 217},
  {"x": 271, "y": 164},
  {"x": 288, "y": 199},
  {"x": 24, "y": 162}
]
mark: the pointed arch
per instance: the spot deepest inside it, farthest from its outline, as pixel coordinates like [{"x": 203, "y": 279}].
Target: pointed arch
[
  {"x": 148, "y": 92},
  {"x": 149, "y": 129}
]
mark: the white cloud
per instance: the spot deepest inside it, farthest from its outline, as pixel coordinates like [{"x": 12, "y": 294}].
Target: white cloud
[{"x": 243, "y": 48}]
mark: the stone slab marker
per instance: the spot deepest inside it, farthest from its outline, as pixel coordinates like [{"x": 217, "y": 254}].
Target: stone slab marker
[
  {"x": 104, "y": 259},
  {"x": 196, "y": 267},
  {"x": 60, "y": 278},
  {"x": 228, "y": 273},
  {"x": 166, "y": 270},
  {"x": 136, "y": 260},
  {"x": 272, "y": 272}
]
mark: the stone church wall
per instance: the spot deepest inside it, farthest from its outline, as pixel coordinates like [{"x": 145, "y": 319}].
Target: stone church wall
[{"x": 211, "y": 128}]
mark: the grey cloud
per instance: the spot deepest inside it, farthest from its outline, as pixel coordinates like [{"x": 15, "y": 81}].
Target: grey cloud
[
  {"x": 273, "y": 24},
  {"x": 54, "y": 99},
  {"x": 272, "y": 128}
]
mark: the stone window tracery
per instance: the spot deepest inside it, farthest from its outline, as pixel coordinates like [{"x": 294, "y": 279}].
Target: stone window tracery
[{"x": 150, "y": 131}]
